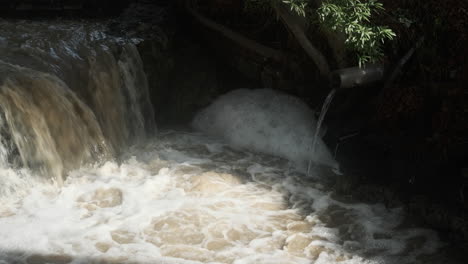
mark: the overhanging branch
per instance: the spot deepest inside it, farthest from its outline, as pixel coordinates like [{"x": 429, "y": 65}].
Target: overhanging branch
[
  {"x": 247, "y": 43},
  {"x": 299, "y": 33}
]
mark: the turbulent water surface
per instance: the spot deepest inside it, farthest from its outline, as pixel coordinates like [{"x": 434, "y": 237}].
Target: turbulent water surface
[
  {"x": 186, "y": 199},
  {"x": 85, "y": 177},
  {"x": 69, "y": 94}
]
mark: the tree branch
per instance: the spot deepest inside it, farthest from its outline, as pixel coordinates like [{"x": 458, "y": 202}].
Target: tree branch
[
  {"x": 247, "y": 43},
  {"x": 299, "y": 33}
]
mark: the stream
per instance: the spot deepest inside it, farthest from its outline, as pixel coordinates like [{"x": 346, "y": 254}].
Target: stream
[{"x": 85, "y": 176}]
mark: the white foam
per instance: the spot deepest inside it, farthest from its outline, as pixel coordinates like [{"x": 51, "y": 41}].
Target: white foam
[
  {"x": 267, "y": 121},
  {"x": 157, "y": 208}
]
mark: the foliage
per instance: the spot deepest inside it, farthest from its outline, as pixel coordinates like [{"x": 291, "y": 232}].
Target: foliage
[
  {"x": 352, "y": 17},
  {"x": 298, "y": 6}
]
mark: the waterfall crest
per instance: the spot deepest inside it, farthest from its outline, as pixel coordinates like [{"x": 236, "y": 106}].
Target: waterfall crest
[{"x": 69, "y": 94}]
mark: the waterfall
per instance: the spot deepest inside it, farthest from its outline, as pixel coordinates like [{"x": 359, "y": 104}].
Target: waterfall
[
  {"x": 323, "y": 112},
  {"x": 70, "y": 94}
]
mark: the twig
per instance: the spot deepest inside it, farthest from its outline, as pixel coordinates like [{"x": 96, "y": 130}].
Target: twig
[{"x": 398, "y": 68}]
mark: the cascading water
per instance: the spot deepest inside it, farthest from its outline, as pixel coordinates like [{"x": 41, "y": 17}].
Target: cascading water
[
  {"x": 323, "y": 112},
  {"x": 71, "y": 95},
  {"x": 52, "y": 129}
]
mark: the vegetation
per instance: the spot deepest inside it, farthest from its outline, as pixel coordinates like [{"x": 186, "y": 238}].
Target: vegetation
[
  {"x": 418, "y": 120},
  {"x": 353, "y": 18}
]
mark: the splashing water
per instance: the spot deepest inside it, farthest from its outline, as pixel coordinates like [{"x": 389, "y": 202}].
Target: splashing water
[
  {"x": 69, "y": 95},
  {"x": 184, "y": 198},
  {"x": 267, "y": 121},
  {"x": 323, "y": 112}
]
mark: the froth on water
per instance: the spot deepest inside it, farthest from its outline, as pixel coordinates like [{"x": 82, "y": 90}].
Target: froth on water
[{"x": 187, "y": 199}]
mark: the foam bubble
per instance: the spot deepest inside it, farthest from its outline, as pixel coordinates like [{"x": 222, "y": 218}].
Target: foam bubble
[
  {"x": 169, "y": 202},
  {"x": 267, "y": 121}
]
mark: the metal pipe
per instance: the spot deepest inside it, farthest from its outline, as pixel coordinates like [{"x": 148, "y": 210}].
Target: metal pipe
[{"x": 356, "y": 76}]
